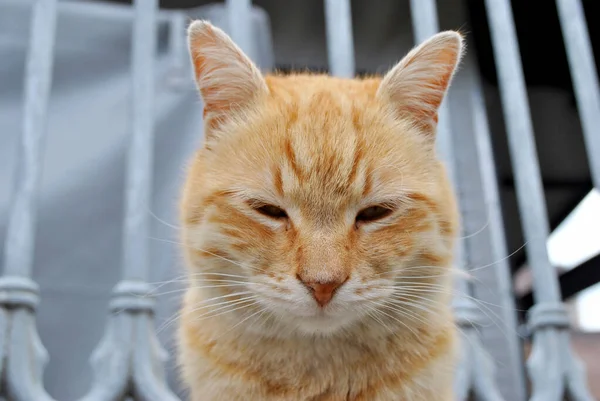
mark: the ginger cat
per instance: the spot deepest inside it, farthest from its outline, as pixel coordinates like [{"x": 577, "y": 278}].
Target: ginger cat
[{"x": 319, "y": 229}]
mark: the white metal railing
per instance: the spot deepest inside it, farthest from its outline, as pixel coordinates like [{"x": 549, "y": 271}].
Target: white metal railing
[
  {"x": 129, "y": 362},
  {"x": 553, "y": 368}
]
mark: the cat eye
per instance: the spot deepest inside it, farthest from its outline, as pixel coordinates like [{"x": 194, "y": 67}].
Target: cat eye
[
  {"x": 373, "y": 213},
  {"x": 271, "y": 211}
]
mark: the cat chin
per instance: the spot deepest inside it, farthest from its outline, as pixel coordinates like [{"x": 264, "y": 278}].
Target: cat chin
[
  {"x": 322, "y": 326},
  {"x": 318, "y": 325}
]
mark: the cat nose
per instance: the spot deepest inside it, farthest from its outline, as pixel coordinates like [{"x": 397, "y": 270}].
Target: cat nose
[{"x": 323, "y": 291}]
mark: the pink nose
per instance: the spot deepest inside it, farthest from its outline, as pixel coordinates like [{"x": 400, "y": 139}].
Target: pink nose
[{"x": 323, "y": 292}]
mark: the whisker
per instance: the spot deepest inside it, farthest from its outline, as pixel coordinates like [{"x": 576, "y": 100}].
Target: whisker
[
  {"x": 181, "y": 278},
  {"x": 203, "y": 287},
  {"x": 198, "y": 249},
  {"x": 181, "y": 313},
  {"x": 161, "y": 220},
  {"x": 447, "y": 270},
  {"x": 499, "y": 260},
  {"x": 416, "y": 304},
  {"x": 217, "y": 274},
  {"x": 400, "y": 309},
  {"x": 264, "y": 310},
  {"x": 212, "y": 254},
  {"x": 261, "y": 311},
  {"x": 235, "y": 294},
  {"x": 394, "y": 317},
  {"x": 374, "y": 316},
  {"x": 426, "y": 288},
  {"x": 219, "y": 280},
  {"x": 482, "y": 229},
  {"x": 480, "y": 305},
  {"x": 207, "y": 315}
]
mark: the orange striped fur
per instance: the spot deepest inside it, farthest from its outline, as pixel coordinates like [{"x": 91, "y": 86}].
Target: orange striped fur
[{"x": 319, "y": 229}]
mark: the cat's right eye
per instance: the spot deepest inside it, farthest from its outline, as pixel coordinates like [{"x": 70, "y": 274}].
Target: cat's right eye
[
  {"x": 271, "y": 211},
  {"x": 373, "y": 213}
]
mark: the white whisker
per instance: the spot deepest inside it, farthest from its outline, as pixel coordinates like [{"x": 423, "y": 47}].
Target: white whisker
[{"x": 394, "y": 317}]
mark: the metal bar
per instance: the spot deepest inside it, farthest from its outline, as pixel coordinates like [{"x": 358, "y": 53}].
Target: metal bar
[
  {"x": 573, "y": 281},
  {"x": 499, "y": 333},
  {"x": 23, "y": 354},
  {"x": 530, "y": 193},
  {"x": 178, "y": 77},
  {"x": 585, "y": 80},
  {"x": 474, "y": 374},
  {"x": 340, "y": 42},
  {"x": 502, "y": 269},
  {"x": 124, "y": 366},
  {"x": 240, "y": 25},
  {"x": 139, "y": 178},
  {"x": 552, "y": 363},
  {"x": 19, "y": 246}
]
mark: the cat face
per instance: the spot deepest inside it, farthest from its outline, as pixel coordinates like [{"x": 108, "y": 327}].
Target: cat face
[{"x": 318, "y": 202}]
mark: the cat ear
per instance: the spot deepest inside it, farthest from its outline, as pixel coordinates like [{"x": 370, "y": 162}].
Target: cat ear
[
  {"x": 417, "y": 84},
  {"x": 227, "y": 79}
]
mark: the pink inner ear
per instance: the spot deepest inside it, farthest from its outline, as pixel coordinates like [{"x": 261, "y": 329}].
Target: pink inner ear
[
  {"x": 209, "y": 88},
  {"x": 433, "y": 89}
]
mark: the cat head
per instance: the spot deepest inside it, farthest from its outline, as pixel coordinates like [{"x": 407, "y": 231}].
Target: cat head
[{"x": 315, "y": 201}]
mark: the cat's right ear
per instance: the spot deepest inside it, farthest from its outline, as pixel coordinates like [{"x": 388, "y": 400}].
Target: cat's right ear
[{"x": 227, "y": 79}]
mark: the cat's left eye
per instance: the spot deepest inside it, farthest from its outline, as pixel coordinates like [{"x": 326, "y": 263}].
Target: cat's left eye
[{"x": 373, "y": 213}]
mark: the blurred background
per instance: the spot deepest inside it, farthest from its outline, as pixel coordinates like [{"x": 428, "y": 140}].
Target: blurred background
[{"x": 80, "y": 207}]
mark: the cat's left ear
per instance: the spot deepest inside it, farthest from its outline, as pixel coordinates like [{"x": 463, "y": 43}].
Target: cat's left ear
[
  {"x": 227, "y": 79},
  {"x": 417, "y": 85}
]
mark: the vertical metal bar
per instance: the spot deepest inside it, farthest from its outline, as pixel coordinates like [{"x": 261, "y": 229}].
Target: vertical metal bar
[
  {"x": 239, "y": 14},
  {"x": 530, "y": 193},
  {"x": 178, "y": 77},
  {"x": 18, "y": 259},
  {"x": 585, "y": 80},
  {"x": 139, "y": 169},
  {"x": 587, "y": 93},
  {"x": 24, "y": 355},
  {"x": 502, "y": 272},
  {"x": 490, "y": 279},
  {"x": 474, "y": 373},
  {"x": 340, "y": 42},
  {"x": 177, "y": 37},
  {"x": 128, "y": 362},
  {"x": 551, "y": 360}
]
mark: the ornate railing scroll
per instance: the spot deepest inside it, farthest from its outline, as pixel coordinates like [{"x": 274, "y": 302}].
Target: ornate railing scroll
[
  {"x": 22, "y": 354},
  {"x": 475, "y": 375},
  {"x": 555, "y": 372},
  {"x": 128, "y": 361}
]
